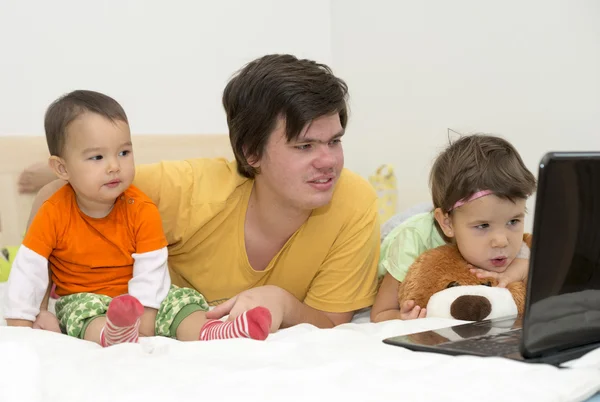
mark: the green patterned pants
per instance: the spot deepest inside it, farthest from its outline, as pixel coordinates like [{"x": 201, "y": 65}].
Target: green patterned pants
[{"x": 76, "y": 311}]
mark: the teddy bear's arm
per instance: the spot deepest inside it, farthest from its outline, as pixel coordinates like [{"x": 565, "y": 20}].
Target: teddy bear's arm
[
  {"x": 527, "y": 238},
  {"x": 416, "y": 285},
  {"x": 518, "y": 291}
]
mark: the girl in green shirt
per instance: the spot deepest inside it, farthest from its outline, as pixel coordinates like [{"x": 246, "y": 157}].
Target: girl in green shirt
[{"x": 479, "y": 187}]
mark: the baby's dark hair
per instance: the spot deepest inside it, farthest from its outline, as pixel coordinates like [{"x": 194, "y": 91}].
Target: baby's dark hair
[
  {"x": 69, "y": 107},
  {"x": 479, "y": 162}
]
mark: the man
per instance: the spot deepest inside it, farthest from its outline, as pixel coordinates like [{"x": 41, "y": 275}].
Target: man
[{"x": 284, "y": 226}]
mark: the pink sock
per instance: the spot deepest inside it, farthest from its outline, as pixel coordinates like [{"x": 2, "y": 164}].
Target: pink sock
[
  {"x": 122, "y": 321},
  {"x": 253, "y": 324}
]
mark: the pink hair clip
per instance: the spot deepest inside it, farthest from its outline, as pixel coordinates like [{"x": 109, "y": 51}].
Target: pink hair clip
[{"x": 475, "y": 196}]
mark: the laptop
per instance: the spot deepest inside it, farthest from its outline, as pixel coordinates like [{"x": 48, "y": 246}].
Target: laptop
[{"x": 561, "y": 321}]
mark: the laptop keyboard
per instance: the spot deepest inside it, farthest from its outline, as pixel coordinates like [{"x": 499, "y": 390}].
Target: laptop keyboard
[{"x": 490, "y": 345}]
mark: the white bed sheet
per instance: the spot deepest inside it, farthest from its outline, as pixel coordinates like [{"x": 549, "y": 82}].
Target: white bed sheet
[{"x": 302, "y": 363}]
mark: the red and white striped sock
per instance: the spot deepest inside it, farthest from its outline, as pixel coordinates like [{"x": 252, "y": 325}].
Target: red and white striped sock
[
  {"x": 122, "y": 321},
  {"x": 253, "y": 324}
]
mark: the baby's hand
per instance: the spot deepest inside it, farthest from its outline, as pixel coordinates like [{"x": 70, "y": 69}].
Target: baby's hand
[
  {"x": 409, "y": 311},
  {"x": 516, "y": 272}
]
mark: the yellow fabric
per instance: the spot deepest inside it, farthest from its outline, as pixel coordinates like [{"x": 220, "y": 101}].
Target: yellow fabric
[
  {"x": 384, "y": 183},
  {"x": 330, "y": 263}
]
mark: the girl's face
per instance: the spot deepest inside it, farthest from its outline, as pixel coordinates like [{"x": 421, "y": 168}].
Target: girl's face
[{"x": 488, "y": 231}]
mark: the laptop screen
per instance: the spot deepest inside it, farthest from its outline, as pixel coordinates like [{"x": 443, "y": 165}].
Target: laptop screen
[{"x": 563, "y": 306}]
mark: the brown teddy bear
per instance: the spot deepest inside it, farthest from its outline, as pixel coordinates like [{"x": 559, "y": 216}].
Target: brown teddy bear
[{"x": 440, "y": 281}]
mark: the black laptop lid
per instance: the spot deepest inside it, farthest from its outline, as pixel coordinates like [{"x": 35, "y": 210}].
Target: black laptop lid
[{"x": 563, "y": 302}]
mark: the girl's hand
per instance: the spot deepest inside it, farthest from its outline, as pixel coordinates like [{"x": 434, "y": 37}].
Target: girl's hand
[
  {"x": 517, "y": 271},
  {"x": 410, "y": 311}
]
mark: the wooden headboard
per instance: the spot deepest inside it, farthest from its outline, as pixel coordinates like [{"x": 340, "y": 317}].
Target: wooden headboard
[{"x": 18, "y": 152}]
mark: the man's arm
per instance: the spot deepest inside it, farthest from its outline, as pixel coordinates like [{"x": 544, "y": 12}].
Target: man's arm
[
  {"x": 46, "y": 192},
  {"x": 18, "y": 323},
  {"x": 298, "y": 313},
  {"x": 45, "y": 320},
  {"x": 347, "y": 279},
  {"x": 34, "y": 177},
  {"x": 286, "y": 310},
  {"x": 346, "y": 282}
]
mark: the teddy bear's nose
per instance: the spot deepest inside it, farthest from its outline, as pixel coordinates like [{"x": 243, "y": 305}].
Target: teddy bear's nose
[{"x": 470, "y": 308}]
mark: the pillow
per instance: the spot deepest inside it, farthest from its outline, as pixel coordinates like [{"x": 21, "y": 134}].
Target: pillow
[
  {"x": 384, "y": 183},
  {"x": 7, "y": 256}
]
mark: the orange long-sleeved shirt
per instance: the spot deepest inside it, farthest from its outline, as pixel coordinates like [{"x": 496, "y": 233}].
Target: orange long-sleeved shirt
[{"x": 94, "y": 255}]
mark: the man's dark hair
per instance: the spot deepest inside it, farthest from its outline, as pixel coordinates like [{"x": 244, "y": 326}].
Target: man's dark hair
[{"x": 273, "y": 87}]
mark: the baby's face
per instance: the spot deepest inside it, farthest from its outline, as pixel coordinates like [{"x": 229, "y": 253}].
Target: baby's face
[
  {"x": 99, "y": 158},
  {"x": 489, "y": 231}
]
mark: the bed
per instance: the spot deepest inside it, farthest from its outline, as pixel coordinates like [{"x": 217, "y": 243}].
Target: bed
[{"x": 302, "y": 363}]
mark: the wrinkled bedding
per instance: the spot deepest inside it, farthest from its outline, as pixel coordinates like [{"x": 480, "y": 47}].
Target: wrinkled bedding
[{"x": 297, "y": 364}]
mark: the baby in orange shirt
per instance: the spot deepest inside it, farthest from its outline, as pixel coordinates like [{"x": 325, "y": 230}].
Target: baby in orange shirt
[{"x": 103, "y": 241}]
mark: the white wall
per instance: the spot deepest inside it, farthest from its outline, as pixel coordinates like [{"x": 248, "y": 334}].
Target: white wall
[
  {"x": 526, "y": 70},
  {"x": 166, "y": 62}
]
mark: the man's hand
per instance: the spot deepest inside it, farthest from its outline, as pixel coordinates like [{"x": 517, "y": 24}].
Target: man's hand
[
  {"x": 517, "y": 271},
  {"x": 271, "y": 297},
  {"x": 18, "y": 323},
  {"x": 410, "y": 311},
  {"x": 46, "y": 321},
  {"x": 34, "y": 177}
]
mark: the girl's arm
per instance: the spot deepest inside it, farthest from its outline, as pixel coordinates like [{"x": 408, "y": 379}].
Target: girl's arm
[{"x": 386, "y": 302}]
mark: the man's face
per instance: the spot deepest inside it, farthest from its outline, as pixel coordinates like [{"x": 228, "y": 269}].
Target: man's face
[{"x": 302, "y": 173}]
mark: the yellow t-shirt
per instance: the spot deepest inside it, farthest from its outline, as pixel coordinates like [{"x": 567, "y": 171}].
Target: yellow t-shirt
[{"x": 330, "y": 263}]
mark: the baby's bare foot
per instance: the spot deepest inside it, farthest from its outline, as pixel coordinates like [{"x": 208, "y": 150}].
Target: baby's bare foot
[{"x": 34, "y": 177}]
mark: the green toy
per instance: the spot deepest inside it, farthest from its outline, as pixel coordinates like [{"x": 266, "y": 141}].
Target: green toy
[{"x": 7, "y": 256}]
